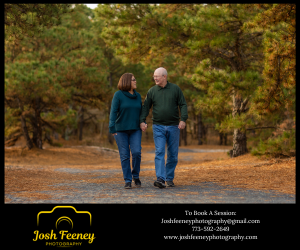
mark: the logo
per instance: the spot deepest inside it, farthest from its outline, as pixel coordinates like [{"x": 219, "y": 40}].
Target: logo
[{"x": 64, "y": 226}]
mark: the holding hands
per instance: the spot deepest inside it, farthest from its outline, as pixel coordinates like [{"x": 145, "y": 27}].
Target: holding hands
[{"x": 143, "y": 126}]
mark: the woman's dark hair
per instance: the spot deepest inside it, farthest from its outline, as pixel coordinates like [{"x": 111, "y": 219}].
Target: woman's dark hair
[{"x": 125, "y": 82}]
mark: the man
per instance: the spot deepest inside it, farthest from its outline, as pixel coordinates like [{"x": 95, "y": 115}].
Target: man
[{"x": 165, "y": 97}]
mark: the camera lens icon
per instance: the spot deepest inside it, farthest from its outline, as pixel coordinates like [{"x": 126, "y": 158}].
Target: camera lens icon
[{"x": 64, "y": 218}]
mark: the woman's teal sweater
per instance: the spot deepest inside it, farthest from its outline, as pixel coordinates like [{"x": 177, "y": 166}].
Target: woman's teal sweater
[{"x": 125, "y": 111}]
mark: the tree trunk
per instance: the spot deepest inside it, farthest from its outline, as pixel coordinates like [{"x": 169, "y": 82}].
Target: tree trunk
[
  {"x": 101, "y": 130},
  {"x": 55, "y": 135},
  {"x": 96, "y": 128},
  {"x": 48, "y": 138},
  {"x": 239, "y": 143},
  {"x": 221, "y": 135},
  {"x": 67, "y": 131},
  {"x": 223, "y": 138},
  {"x": 109, "y": 135},
  {"x": 239, "y": 137},
  {"x": 110, "y": 79},
  {"x": 203, "y": 133},
  {"x": 24, "y": 127},
  {"x": 37, "y": 126},
  {"x": 63, "y": 133},
  {"x": 25, "y": 132},
  {"x": 81, "y": 123},
  {"x": 37, "y": 134},
  {"x": 195, "y": 134},
  {"x": 183, "y": 136},
  {"x": 199, "y": 128}
]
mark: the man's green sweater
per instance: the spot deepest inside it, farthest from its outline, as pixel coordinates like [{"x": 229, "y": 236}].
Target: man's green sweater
[{"x": 165, "y": 103}]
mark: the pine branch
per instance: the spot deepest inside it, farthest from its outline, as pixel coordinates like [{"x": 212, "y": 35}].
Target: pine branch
[
  {"x": 11, "y": 103},
  {"x": 260, "y": 128},
  {"x": 66, "y": 52},
  {"x": 48, "y": 124},
  {"x": 91, "y": 116},
  {"x": 11, "y": 142},
  {"x": 243, "y": 105}
]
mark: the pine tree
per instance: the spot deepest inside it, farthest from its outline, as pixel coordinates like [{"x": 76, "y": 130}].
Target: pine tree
[
  {"x": 278, "y": 22},
  {"x": 50, "y": 72},
  {"x": 27, "y": 20},
  {"x": 276, "y": 95}
]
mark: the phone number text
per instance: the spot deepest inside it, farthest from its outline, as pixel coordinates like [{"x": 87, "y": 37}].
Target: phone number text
[{"x": 210, "y": 229}]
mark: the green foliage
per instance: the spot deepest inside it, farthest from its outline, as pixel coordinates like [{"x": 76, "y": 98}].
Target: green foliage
[
  {"x": 68, "y": 119},
  {"x": 12, "y": 123},
  {"x": 282, "y": 145},
  {"x": 222, "y": 55},
  {"x": 218, "y": 85},
  {"x": 234, "y": 62},
  {"x": 278, "y": 21},
  {"x": 57, "y": 67},
  {"x": 28, "y": 20}
]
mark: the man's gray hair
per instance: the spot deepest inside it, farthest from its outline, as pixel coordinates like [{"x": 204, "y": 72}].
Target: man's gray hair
[{"x": 163, "y": 71}]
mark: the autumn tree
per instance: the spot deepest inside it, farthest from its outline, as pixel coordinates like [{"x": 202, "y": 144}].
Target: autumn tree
[
  {"x": 27, "y": 20},
  {"x": 278, "y": 22},
  {"x": 276, "y": 95},
  {"x": 52, "y": 71}
]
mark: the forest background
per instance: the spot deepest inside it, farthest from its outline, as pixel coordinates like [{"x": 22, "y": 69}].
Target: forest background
[{"x": 235, "y": 63}]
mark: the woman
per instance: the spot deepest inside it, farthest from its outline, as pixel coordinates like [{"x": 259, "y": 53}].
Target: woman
[{"x": 125, "y": 126}]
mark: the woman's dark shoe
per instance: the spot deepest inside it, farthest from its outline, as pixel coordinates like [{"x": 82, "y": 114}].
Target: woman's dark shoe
[{"x": 127, "y": 184}]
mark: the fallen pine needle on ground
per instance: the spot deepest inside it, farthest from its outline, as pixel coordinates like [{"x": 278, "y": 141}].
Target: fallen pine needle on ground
[{"x": 34, "y": 170}]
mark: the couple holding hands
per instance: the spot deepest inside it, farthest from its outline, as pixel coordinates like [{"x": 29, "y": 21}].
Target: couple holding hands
[{"x": 128, "y": 120}]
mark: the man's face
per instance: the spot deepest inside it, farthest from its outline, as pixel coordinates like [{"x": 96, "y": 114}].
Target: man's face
[{"x": 159, "y": 78}]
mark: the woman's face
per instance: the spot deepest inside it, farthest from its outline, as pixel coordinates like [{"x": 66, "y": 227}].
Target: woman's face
[{"x": 133, "y": 83}]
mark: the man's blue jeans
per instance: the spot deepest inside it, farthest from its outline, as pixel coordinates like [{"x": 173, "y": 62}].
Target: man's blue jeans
[
  {"x": 127, "y": 141},
  {"x": 162, "y": 135}
]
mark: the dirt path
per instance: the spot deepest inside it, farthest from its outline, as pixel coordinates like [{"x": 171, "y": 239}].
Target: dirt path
[{"x": 205, "y": 174}]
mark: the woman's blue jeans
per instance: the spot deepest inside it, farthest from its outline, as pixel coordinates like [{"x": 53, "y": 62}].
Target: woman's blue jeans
[
  {"x": 162, "y": 135},
  {"x": 127, "y": 141}
]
